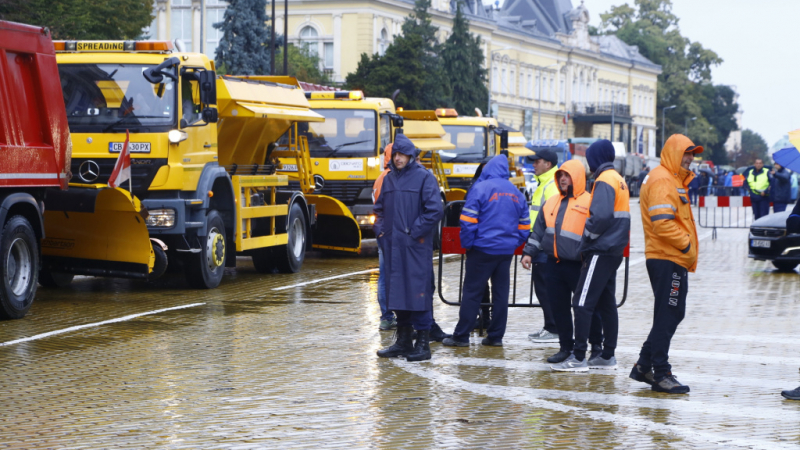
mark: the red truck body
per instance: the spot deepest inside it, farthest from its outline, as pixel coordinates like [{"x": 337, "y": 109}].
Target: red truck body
[{"x": 34, "y": 136}]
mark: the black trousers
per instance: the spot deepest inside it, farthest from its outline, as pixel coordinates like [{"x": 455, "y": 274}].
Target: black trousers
[
  {"x": 538, "y": 270},
  {"x": 480, "y": 268},
  {"x": 670, "y": 284},
  {"x": 596, "y": 288},
  {"x": 562, "y": 280}
]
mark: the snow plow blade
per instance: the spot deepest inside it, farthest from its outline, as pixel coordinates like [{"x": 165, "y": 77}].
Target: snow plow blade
[
  {"x": 96, "y": 231},
  {"x": 336, "y": 227}
]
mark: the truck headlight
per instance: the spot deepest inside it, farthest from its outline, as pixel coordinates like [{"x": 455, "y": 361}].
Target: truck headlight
[
  {"x": 161, "y": 218},
  {"x": 366, "y": 219}
]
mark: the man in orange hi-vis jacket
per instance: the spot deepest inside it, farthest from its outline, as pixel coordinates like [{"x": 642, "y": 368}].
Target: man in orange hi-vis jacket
[{"x": 670, "y": 239}]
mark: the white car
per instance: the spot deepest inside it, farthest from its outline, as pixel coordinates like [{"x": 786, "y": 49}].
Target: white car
[{"x": 530, "y": 185}]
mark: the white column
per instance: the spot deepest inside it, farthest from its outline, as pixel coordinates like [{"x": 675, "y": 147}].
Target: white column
[
  {"x": 337, "y": 47},
  {"x": 197, "y": 26},
  {"x": 161, "y": 14},
  {"x": 374, "y": 34}
]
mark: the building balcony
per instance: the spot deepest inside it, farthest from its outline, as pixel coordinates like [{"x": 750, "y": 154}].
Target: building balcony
[{"x": 601, "y": 112}]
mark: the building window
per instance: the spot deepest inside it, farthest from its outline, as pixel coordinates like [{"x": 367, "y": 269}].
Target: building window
[
  {"x": 551, "y": 92},
  {"x": 495, "y": 80},
  {"x": 383, "y": 42},
  {"x": 562, "y": 92},
  {"x": 308, "y": 36},
  {"x": 181, "y": 21},
  {"x": 521, "y": 84},
  {"x": 530, "y": 86},
  {"x": 328, "y": 55},
  {"x": 215, "y": 13},
  {"x": 504, "y": 81},
  {"x": 537, "y": 91},
  {"x": 512, "y": 83}
]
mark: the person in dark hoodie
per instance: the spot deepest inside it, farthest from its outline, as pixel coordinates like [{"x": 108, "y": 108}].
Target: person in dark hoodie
[
  {"x": 793, "y": 226},
  {"x": 494, "y": 222},
  {"x": 408, "y": 208},
  {"x": 605, "y": 236},
  {"x": 780, "y": 189}
]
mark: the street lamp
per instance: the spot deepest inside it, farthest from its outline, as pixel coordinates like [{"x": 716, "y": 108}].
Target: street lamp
[
  {"x": 539, "y": 113},
  {"x": 491, "y": 59},
  {"x": 664, "y": 123},
  {"x": 686, "y": 125}
]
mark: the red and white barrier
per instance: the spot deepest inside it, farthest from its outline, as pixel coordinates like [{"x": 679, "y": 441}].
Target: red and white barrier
[{"x": 724, "y": 202}]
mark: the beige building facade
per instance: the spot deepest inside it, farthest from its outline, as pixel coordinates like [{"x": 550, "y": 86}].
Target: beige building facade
[{"x": 547, "y": 76}]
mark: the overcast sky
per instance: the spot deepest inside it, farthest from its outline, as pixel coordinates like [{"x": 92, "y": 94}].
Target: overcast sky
[{"x": 758, "y": 41}]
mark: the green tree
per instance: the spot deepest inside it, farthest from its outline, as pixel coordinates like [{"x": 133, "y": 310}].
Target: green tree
[
  {"x": 719, "y": 108},
  {"x": 244, "y": 47},
  {"x": 753, "y": 147},
  {"x": 463, "y": 63},
  {"x": 304, "y": 64},
  {"x": 686, "y": 67},
  {"x": 436, "y": 87},
  {"x": 82, "y": 19}
]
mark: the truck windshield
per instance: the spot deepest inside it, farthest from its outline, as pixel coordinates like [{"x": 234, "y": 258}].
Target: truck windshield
[
  {"x": 345, "y": 132},
  {"x": 108, "y": 97},
  {"x": 470, "y": 142}
]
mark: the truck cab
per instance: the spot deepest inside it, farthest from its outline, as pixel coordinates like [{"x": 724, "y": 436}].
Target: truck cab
[{"x": 474, "y": 141}]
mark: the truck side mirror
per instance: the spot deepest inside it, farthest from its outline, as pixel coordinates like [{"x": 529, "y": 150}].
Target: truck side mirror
[
  {"x": 210, "y": 115},
  {"x": 156, "y": 74},
  {"x": 503, "y": 138},
  {"x": 208, "y": 87},
  {"x": 397, "y": 121}
]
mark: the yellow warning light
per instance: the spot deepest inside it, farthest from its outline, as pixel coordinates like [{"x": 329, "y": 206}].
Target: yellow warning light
[{"x": 446, "y": 112}]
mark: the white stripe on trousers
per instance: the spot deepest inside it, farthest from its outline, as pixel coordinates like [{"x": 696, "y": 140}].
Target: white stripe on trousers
[{"x": 588, "y": 280}]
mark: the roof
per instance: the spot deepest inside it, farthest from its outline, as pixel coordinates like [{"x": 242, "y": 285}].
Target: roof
[{"x": 613, "y": 46}]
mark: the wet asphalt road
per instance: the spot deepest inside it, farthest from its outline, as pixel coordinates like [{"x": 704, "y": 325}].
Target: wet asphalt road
[{"x": 268, "y": 361}]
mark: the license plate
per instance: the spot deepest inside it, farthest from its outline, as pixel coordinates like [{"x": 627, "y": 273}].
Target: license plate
[
  {"x": 760, "y": 243},
  {"x": 134, "y": 147},
  {"x": 289, "y": 167}
]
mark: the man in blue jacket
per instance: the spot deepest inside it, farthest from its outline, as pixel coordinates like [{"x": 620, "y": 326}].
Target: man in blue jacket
[
  {"x": 408, "y": 208},
  {"x": 494, "y": 222},
  {"x": 780, "y": 188}
]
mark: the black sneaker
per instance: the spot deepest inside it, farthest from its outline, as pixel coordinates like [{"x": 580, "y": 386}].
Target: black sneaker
[
  {"x": 450, "y": 342},
  {"x": 561, "y": 356},
  {"x": 492, "y": 343},
  {"x": 670, "y": 385},
  {"x": 644, "y": 377},
  {"x": 794, "y": 394}
]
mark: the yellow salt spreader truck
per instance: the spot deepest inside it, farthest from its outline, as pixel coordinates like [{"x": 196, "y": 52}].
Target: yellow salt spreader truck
[
  {"x": 346, "y": 152},
  {"x": 204, "y": 186}
]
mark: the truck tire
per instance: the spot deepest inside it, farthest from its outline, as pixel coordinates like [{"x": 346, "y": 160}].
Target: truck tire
[
  {"x": 20, "y": 264},
  {"x": 784, "y": 266},
  {"x": 204, "y": 270},
  {"x": 264, "y": 260},
  {"x": 161, "y": 263},
  {"x": 289, "y": 258},
  {"x": 50, "y": 279}
]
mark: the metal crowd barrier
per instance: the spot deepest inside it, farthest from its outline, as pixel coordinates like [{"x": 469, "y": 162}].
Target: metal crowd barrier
[
  {"x": 723, "y": 207},
  {"x": 450, "y": 244}
]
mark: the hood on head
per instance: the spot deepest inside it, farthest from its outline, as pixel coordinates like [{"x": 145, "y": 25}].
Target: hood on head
[
  {"x": 577, "y": 172},
  {"x": 673, "y": 151},
  {"x": 387, "y": 155},
  {"x": 403, "y": 145},
  {"x": 497, "y": 167},
  {"x": 599, "y": 153}
]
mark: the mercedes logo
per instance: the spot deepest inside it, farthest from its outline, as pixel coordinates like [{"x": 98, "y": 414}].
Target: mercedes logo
[
  {"x": 319, "y": 182},
  {"x": 89, "y": 171}
]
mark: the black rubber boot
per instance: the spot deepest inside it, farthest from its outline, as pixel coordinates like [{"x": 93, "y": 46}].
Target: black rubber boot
[
  {"x": 403, "y": 344},
  {"x": 437, "y": 334},
  {"x": 422, "y": 349}
]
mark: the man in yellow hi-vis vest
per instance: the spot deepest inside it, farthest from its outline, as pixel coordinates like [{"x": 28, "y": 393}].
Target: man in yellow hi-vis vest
[
  {"x": 758, "y": 181},
  {"x": 545, "y": 164}
]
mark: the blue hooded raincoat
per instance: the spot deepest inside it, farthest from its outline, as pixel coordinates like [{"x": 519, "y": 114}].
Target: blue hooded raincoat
[
  {"x": 407, "y": 210},
  {"x": 495, "y": 217}
]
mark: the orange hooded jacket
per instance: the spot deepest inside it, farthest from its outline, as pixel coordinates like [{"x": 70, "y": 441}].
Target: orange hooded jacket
[
  {"x": 376, "y": 187},
  {"x": 669, "y": 227}
]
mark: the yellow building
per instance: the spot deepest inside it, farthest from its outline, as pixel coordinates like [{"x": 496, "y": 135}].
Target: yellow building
[{"x": 544, "y": 68}]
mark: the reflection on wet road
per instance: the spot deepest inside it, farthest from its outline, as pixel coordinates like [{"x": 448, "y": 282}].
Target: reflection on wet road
[{"x": 289, "y": 361}]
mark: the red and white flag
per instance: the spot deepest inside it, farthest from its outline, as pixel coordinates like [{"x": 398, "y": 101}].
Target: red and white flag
[{"x": 122, "y": 169}]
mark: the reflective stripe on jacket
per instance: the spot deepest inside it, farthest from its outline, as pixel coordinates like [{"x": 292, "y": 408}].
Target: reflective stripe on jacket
[
  {"x": 546, "y": 189},
  {"x": 495, "y": 216},
  {"x": 608, "y": 227},
  {"x": 758, "y": 183},
  {"x": 558, "y": 230},
  {"x": 667, "y": 219}
]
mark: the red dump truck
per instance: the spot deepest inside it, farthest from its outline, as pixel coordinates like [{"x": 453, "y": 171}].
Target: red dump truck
[{"x": 34, "y": 156}]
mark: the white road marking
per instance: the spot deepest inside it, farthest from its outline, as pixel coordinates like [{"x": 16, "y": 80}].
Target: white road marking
[
  {"x": 533, "y": 397},
  {"x": 96, "y": 324},
  {"x": 319, "y": 280}
]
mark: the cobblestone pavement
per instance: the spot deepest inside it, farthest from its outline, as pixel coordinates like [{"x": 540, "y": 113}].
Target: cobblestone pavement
[{"x": 288, "y": 361}]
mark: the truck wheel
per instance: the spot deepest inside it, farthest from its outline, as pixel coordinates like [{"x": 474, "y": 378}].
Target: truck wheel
[
  {"x": 50, "y": 279},
  {"x": 204, "y": 270},
  {"x": 161, "y": 263},
  {"x": 289, "y": 258},
  {"x": 784, "y": 266},
  {"x": 20, "y": 263}
]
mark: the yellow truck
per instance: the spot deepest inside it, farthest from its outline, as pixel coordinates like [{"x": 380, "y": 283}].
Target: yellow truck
[
  {"x": 203, "y": 186},
  {"x": 346, "y": 153}
]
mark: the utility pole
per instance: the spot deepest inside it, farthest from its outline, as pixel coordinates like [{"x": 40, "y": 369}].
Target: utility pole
[
  {"x": 272, "y": 42},
  {"x": 613, "y": 96},
  {"x": 686, "y": 125},
  {"x": 285, "y": 37},
  {"x": 664, "y": 123}
]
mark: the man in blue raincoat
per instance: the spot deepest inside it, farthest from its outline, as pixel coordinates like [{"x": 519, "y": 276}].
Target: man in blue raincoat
[
  {"x": 407, "y": 210},
  {"x": 494, "y": 222}
]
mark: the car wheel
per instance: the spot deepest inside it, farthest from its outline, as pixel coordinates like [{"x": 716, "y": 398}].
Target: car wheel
[{"x": 784, "y": 266}]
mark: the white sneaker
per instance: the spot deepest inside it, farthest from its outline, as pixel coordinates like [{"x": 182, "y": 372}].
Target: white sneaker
[
  {"x": 546, "y": 336},
  {"x": 571, "y": 364},
  {"x": 600, "y": 363},
  {"x": 533, "y": 336}
]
